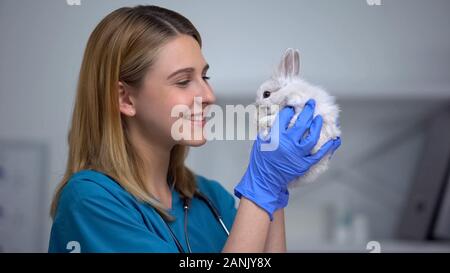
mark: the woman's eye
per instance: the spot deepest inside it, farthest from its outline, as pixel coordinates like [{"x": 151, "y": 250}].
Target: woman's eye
[
  {"x": 186, "y": 82},
  {"x": 183, "y": 83}
]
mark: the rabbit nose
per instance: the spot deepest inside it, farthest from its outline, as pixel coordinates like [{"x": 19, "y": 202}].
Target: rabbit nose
[
  {"x": 266, "y": 94},
  {"x": 267, "y": 109}
]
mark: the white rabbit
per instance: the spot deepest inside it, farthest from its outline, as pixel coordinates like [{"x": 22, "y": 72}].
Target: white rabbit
[{"x": 285, "y": 87}]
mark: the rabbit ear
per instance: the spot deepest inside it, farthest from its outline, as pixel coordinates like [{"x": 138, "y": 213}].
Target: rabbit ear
[{"x": 289, "y": 66}]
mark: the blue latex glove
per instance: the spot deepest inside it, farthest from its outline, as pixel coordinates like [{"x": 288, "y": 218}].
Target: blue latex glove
[{"x": 270, "y": 171}]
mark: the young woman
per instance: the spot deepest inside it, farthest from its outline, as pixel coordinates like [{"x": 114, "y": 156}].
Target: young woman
[{"x": 126, "y": 188}]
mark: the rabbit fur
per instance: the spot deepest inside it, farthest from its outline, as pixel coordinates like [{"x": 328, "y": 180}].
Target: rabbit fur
[{"x": 286, "y": 87}]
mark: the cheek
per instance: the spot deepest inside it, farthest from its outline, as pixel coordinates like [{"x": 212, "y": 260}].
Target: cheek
[
  {"x": 154, "y": 111},
  {"x": 177, "y": 99},
  {"x": 184, "y": 131},
  {"x": 176, "y": 103}
]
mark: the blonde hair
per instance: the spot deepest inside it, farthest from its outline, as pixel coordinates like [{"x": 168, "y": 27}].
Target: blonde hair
[{"x": 122, "y": 47}]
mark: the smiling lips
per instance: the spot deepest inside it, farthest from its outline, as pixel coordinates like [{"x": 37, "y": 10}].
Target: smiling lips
[{"x": 198, "y": 119}]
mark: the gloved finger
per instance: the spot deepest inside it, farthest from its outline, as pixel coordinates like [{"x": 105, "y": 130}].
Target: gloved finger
[
  {"x": 314, "y": 134},
  {"x": 282, "y": 119},
  {"x": 326, "y": 148},
  {"x": 304, "y": 119},
  {"x": 336, "y": 146}
]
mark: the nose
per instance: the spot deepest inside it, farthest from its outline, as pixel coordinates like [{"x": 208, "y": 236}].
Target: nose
[{"x": 207, "y": 94}]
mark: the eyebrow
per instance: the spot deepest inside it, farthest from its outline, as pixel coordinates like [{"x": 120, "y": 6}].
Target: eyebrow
[{"x": 185, "y": 70}]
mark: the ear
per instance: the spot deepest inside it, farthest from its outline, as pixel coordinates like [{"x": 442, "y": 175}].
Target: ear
[
  {"x": 289, "y": 66},
  {"x": 126, "y": 101}
]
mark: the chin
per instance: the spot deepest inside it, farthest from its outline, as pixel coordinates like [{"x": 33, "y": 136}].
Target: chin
[
  {"x": 194, "y": 143},
  {"x": 191, "y": 133}
]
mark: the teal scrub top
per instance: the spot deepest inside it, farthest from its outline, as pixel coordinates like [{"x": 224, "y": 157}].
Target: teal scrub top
[{"x": 95, "y": 214}]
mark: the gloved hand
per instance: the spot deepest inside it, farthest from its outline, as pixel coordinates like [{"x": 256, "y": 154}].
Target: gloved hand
[{"x": 270, "y": 171}]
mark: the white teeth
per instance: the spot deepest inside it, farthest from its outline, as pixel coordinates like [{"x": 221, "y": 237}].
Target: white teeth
[{"x": 196, "y": 118}]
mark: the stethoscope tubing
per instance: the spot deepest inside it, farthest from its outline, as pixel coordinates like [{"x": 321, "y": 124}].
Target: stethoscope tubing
[{"x": 186, "y": 206}]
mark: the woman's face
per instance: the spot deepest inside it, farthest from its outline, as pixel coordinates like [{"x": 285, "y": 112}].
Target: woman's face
[{"x": 177, "y": 80}]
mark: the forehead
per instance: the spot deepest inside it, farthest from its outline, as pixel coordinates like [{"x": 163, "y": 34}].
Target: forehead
[{"x": 180, "y": 52}]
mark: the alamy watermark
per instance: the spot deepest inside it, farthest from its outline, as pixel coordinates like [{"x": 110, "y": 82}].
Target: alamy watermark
[
  {"x": 373, "y": 247},
  {"x": 73, "y": 2},
  {"x": 238, "y": 122},
  {"x": 373, "y": 2}
]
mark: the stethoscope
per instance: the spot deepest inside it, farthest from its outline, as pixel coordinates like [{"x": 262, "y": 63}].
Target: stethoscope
[{"x": 186, "y": 203}]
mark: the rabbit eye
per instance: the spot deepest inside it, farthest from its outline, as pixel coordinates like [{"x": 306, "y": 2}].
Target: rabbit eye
[{"x": 266, "y": 94}]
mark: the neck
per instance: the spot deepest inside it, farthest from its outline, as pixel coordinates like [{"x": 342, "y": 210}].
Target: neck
[{"x": 156, "y": 157}]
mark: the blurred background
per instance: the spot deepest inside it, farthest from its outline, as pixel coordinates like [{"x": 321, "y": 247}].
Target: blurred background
[{"x": 387, "y": 63}]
